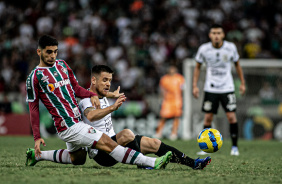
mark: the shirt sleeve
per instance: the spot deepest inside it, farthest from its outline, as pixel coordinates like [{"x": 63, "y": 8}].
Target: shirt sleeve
[
  {"x": 236, "y": 56},
  {"x": 84, "y": 104},
  {"x": 199, "y": 56},
  {"x": 79, "y": 91}
]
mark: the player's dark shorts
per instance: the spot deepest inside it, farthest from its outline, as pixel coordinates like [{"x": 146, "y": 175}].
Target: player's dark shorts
[
  {"x": 104, "y": 159},
  {"x": 212, "y": 100}
]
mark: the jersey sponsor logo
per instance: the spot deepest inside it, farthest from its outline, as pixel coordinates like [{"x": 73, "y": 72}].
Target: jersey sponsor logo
[
  {"x": 28, "y": 83},
  {"x": 231, "y": 107},
  {"x": 39, "y": 72},
  {"x": 225, "y": 58},
  {"x": 207, "y": 105},
  {"x": 55, "y": 74},
  {"x": 52, "y": 87},
  {"x": 45, "y": 78}
]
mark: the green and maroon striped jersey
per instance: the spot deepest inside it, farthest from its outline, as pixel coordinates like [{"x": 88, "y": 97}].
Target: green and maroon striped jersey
[{"x": 56, "y": 87}]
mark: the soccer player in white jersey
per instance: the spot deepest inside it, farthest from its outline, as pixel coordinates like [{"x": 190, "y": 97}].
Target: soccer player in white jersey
[
  {"x": 219, "y": 55},
  {"x": 100, "y": 119},
  {"x": 54, "y": 83}
]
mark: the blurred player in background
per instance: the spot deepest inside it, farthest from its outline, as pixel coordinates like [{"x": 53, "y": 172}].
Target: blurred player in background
[
  {"x": 54, "y": 83},
  {"x": 219, "y": 86},
  {"x": 171, "y": 86}
]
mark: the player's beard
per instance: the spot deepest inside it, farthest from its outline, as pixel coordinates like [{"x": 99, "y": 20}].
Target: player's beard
[{"x": 45, "y": 62}]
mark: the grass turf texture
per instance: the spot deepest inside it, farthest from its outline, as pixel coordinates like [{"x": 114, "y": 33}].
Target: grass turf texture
[{"x": 259, "y": 162}]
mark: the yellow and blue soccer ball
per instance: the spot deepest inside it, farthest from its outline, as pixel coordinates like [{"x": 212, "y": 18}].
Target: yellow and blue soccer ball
[{"x": 210, "y": 140}]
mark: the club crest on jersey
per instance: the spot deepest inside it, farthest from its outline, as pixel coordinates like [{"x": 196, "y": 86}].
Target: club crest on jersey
[
  {"x": 64, "y": 70},
  {"x": 91, "y": 130},
  {"x": 45, "y": 78},
  {"x": 63, "y": 123}
]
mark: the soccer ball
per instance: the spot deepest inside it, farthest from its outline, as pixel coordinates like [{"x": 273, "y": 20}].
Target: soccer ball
[{"x": 210, "y": 140}]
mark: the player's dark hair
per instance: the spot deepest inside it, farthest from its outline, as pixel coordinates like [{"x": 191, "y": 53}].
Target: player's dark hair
[
  {"x": 98, "y": 69},
  {"x": 47, "y": 40},
  {"x": 216, "y": 26}
]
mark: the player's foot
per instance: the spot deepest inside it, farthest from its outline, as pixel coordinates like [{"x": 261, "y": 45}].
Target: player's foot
[
  {"x": 162, "y": 161},
  {"x": 172, "y": 137},
  {"x": 30, "y": 157},
  {"x": 234, "y": 151},
  {"x": 201, "y": 163},
  {"x": 202, "y": 153}
]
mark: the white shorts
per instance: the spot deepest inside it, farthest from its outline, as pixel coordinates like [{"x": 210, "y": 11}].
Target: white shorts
[{"x": 80, "y": 135}]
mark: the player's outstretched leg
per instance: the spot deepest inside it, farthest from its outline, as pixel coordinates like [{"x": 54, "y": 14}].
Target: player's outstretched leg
[
  {"x": 30, "y": 157},
  {"x": 59, "y": 156},
  {"x": 201, "y": 163}
]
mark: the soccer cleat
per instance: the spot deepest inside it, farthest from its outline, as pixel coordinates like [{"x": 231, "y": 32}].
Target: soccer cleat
[
  {"x": 234, "y": 151},
  {"x": 201, "y": 163},
  {"x": 162, "y": 161},
  {"x": 202, "y": 153},
  {"x": 30, "y": 157}
]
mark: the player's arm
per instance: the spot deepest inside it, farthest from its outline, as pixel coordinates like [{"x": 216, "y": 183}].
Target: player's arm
[
  {"x": 241, "y": 76},
  {"x": 80, "y": 91},
  {"x": 93, "y": 114},
  {"x": 115, "y": 94},
  {"x": 32, "y": 87},
  {"x": 196, "y": 75},
  {"x": 35, "y": 124}
]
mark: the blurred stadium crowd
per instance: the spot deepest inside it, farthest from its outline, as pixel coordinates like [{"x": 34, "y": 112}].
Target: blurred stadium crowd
[{"x": 138, "y": 39}]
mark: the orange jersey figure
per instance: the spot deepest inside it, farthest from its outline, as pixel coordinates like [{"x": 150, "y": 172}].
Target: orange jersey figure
[{"x": 171, "y": 86}]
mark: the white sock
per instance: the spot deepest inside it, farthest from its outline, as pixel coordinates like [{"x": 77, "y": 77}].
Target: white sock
[
  {"x": 59, "y": 156},
  {"x": 130, "y": 156}
]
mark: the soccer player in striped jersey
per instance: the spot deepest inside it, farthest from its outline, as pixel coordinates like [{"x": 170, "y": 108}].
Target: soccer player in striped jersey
[
  {"x": 54, "y": 83},
  {"x": 219, "y": 87}
]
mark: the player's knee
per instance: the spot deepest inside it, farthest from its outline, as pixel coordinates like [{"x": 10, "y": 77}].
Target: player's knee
[
  {"x": 126, "y": 137},
  {"x": 78, "y": 157},
  {"x": 79, "y": 161}
]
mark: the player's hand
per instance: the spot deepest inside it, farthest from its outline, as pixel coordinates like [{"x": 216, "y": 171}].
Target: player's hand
[
  {"x": 242, "y": 89},
  {"x": 95, "y": 102},
  {"x": 196, "y": 92},
  {"x": 119, "y": 102},
  {"x": 116, "y": 93},
  {"x": 37, "y": 144}
]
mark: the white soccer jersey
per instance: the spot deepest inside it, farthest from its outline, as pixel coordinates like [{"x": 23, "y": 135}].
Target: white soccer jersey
[
  {"x": 105, "y": 124},
  {"x": 218, "y": 61}
]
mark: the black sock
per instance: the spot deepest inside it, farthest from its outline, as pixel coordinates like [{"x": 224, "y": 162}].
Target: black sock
[
  {"x": 134, "y": 145},
  {"x": 177, "y": 156},
  {"x": 234, "y": 133},
  {"x": 207, "y": 126}
]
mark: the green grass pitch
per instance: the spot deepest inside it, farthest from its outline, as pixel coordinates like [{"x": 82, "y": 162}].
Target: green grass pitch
[{"x": 259, "y": 162}]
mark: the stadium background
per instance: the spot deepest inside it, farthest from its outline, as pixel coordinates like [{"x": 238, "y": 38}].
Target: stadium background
[{"x": 138, "y": 39}]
